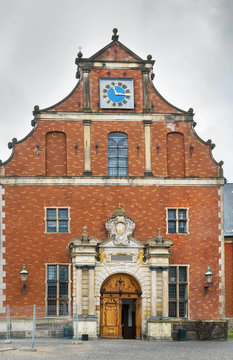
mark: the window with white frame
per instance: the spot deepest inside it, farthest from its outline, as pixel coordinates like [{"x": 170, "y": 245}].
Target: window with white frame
[
  {"x": 57, "y": 220},
  {"x": 177, "y": 221},
  {"x": 58, "y": 290},
  {"x": 178, "y": 291},
  {"x": 117, "y": 154}
]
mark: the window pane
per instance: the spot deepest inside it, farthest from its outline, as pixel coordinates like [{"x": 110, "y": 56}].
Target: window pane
[
  {"x": 172, "y": 291},
  {"x": 182, "y": 309},
  {"x": 63, "y": 308},
  {"x": 112, "y": 171},
  {"x": 172, "y": 309},
  {"x": 182, "y": 214},
  {"x": 112, "y": 162},
  {"x": 52, "y": 272},
  {"x": 172, "y": 214},
  {"x": 51, "y": 226},
  {"x": 123, "y": 152},
  {"x": 63, "y": 213},
  {"x": 63, "y": 289},
  {"x": 51, "y": 213},
  {"x": 123, "y": 163},
  {"x": 182, "y": 292},
  {"x": 171, "y": 227},
  {"x": 63, "y": 272},
  {"x": 63, "y": 226},
  {"x": 172, "y": 274},
  {"x": 52, "y": 290},
  {"x": 52, "y": 307},
  {"x": 123, "y": 172},
  {"x": 182, "y": 274},
  {"x": 182, "y": 227}
]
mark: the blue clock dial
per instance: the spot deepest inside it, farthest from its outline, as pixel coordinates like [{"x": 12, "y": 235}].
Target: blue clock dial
[{"x": 116, "y": 93}]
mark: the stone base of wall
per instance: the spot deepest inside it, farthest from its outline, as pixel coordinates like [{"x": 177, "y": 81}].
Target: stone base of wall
[
  {"x": 159, "y": 330},
  {"x": 230, "y": 322},
  {"x": 200, "y": 330},
  {"x": 86, "y": 326}
]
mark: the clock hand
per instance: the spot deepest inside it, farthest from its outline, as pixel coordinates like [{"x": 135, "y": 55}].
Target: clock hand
[{"x": 113, "y": 87}]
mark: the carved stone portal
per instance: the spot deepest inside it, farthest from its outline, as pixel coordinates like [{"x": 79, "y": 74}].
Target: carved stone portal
[{"x": 120, "y": 227}]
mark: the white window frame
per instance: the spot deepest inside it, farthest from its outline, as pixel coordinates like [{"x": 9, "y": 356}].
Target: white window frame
[
  {"x": 177, "y": 290},
  {"x": 57, "y": 219},
  {"x": 57, "y": 298},
  {"x": 177, "y": 220}
]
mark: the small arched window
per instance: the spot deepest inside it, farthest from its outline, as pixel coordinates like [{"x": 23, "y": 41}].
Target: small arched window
[{"x": 117, "y": 154}]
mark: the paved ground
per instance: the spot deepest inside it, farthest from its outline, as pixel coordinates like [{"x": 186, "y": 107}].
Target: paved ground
[{"x": 61, "y": 349}]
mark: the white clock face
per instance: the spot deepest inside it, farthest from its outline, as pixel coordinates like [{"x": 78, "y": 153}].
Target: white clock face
[{"x": 116, "y": 93}]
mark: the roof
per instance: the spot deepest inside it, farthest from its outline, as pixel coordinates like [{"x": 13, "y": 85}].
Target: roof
[{"x": 228, "y": 209}]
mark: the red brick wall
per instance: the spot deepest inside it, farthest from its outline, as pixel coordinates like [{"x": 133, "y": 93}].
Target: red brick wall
[
  {"x": 175, "y": 154},
  {"x": 26, "y": 162},
  {"x": 55, "y": 152},
  {"x": 27, "y": 243},
  {"x": 228, "y": 278},
  {"x": 115, "y": 52}
]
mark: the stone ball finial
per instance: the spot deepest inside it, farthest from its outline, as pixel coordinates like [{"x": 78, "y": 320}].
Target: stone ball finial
[
  {"x": 149, "y": 57},
  {"x": 115, "y": 36},
  {"x": 80, "y": 54}
]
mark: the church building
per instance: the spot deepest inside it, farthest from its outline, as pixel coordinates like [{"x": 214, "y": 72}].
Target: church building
[{"x": 113, "y": 205}]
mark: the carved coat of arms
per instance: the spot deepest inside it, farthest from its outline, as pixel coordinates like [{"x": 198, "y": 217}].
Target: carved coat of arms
[{"x": 120, "y": 227}]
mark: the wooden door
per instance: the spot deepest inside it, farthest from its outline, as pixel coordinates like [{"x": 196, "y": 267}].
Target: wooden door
[
  {"x": 114, "y": 289},
  {"x": 111, "y": 317}
]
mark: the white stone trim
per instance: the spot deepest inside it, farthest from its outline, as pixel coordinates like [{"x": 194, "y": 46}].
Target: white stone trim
[
  {"x": 108, "y": 181},
  {"x": 222, "y": 254},
  {"x": 119, "y": 65},
  {"x": 70, "y": 116},
  {"x": 2, "y": 250}
]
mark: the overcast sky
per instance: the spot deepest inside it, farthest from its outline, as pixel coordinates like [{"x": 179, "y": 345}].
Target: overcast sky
[{"x": 191, "y": 41}]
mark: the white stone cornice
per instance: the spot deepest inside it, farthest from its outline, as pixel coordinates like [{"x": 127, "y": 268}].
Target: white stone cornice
[
  {"x": 78, "y": 116},
  {"x": 105, "y": 181}
]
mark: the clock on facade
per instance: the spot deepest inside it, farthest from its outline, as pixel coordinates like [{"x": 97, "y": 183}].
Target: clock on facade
[{"x": 116, "y": 93}]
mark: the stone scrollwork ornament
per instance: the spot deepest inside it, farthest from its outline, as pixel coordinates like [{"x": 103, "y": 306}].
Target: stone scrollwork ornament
[{"x": 120, "y": 227}]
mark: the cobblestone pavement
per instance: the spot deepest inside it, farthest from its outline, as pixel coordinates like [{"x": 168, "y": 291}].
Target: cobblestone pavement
[{"x": 61, "y": 349}]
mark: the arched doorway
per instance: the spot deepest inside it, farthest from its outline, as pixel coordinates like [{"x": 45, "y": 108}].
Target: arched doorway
[{"x": 120, "y": 307}]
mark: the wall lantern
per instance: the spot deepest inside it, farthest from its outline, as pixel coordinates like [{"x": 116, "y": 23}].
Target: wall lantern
[
  {"x": 24, "y": 276},
  {"x": 209, "y": 280}
]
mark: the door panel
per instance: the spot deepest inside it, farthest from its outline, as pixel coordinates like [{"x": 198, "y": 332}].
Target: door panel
[{"x": 111, "y": 318}]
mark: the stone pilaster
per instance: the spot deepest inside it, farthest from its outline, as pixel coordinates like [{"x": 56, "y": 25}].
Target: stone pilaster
[
  {"x": 147, "y": 125},
  {"x": 153, "y": 292},
  {"x": 91, "y": 292},
  {"x": 86, "y": 108},
  {"x": 87, "y": 147},
  {"x": 79, "y": 289},
  {"x": 2, "y": 250},
  {"x": 165, "y": 293},
  {"x": 145, "y": 80}
]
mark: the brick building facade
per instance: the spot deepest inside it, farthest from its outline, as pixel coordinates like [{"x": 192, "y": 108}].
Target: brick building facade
[{"x": 134, "y": 269}]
